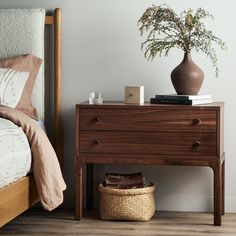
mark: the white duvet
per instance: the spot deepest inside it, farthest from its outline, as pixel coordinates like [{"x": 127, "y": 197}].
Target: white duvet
[{"x": 15, "y": 153}]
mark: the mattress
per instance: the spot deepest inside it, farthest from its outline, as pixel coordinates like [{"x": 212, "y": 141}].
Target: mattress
[{"x": 15, "y": 153}]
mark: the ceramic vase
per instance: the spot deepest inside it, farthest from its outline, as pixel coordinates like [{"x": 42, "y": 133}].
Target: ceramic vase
[{"x": 187, "y": 77}]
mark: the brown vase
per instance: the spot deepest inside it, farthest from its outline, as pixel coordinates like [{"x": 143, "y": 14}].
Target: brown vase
[{"x": 187, "y": 77}]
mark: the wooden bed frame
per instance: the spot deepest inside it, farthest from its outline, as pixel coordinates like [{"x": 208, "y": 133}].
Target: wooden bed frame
[{"x": 22, "y": 194}]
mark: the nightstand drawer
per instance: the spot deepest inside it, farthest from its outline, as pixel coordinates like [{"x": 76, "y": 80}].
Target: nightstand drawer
[
  {"x": 148, "y": 143},
  {"x": 189, "y": 120}
]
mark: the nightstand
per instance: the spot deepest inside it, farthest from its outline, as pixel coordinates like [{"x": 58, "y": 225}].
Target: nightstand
[{"x": 118, "y": 133}]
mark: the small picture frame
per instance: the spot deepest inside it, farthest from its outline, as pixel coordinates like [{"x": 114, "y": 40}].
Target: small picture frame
[{"x": 134, "y": 94}]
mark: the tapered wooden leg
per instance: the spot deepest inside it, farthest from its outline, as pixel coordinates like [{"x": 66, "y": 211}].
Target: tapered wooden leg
[
  {"x": 89, "y": 186},
  {"x": 78, "y": 190},
  {"x": 223, "y": 188},
  {"x": 217, "y": 170}
]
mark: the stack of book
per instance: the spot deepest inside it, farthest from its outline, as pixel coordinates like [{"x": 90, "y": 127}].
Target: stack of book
[
  {"x": 181, "y": 99},
  {"x": 124, "y": 181}
]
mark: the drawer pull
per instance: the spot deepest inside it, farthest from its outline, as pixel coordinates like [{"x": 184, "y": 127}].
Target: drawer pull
[
  {"x": 196, "y": 144},
  {"x": 98, "y": 141},
  {"x": 196, "y": 121},
  {"x": 97, "y": 119}
]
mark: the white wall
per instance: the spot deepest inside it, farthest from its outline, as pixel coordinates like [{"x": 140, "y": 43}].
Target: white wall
[{"x": 101, "y": 52}]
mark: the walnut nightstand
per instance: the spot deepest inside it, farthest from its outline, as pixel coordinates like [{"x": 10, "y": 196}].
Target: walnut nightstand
[{"x": 118, "y": 133}]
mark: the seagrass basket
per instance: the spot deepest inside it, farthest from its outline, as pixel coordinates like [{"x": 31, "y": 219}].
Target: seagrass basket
[{"x": 127, "y": 204}]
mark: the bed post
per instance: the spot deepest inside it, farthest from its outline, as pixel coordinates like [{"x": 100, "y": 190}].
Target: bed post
[{"x": 57, "y": 85}]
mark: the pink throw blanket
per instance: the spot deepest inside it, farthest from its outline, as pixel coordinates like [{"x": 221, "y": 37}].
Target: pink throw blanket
[{"x": 45, "y": 165}]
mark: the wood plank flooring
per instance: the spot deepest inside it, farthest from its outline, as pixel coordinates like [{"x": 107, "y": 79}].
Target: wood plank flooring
[{"x": 61, "y": 222}]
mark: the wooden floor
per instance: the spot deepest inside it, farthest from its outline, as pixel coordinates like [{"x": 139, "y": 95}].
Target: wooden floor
[{"x": 61, "y": 222}]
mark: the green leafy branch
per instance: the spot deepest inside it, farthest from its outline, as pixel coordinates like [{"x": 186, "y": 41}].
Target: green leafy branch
[{"x": 166, "y": 30}]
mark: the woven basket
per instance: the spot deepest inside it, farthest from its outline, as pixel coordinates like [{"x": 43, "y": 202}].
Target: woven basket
[{"x": 127, "y": 204}]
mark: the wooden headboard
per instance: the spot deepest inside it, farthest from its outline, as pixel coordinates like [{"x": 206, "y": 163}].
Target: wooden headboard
[{"x": 55, "y": 20}]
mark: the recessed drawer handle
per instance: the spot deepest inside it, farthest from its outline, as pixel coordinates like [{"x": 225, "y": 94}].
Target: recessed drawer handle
[
  {"x": 196, "y": 121},
  {"x": 97, "y": 119},
  {"x": 196, "y": 144},
  {"x": 98, "y": 141}
]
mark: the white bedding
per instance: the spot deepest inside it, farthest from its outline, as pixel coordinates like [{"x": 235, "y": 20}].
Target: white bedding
[{"x": 15, "y": 153}]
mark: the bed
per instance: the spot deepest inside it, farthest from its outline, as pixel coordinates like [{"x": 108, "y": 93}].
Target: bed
[{"x": 20, "y": 195}]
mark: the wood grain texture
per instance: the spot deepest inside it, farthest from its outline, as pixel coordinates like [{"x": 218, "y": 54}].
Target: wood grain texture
[
  {"x": 153, "y": 119},
  {"x": 170, "y": 143},
  {"x": 78, "y": 175},
  {"x": 117, "y": 133},
  {"x": 78, "y": 189},
  {"x": 16, "y": 198},
  {"x": 57, "y": 85},
  {"x": 162, "y": 224},
  {"x": 146, "y": 159},
  {"x": 49, "y": 20},
  {"x": 147, "y": 105}
]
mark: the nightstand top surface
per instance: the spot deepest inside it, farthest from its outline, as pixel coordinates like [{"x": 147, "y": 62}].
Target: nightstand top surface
[{"x": 119, "y": 104}]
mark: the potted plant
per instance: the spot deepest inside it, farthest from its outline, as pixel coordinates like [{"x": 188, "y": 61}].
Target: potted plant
[{"x": 166, "y": 30}]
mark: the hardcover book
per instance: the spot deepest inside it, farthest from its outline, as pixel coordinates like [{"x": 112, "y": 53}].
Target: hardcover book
[
  {"x": 183, "y": 97},
  {"x": 124, "y": 181},
  {"x": 180, "y": 101}
]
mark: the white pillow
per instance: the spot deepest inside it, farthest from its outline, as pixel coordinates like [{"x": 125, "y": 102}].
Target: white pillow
[{"x": 12, "y": 83}]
